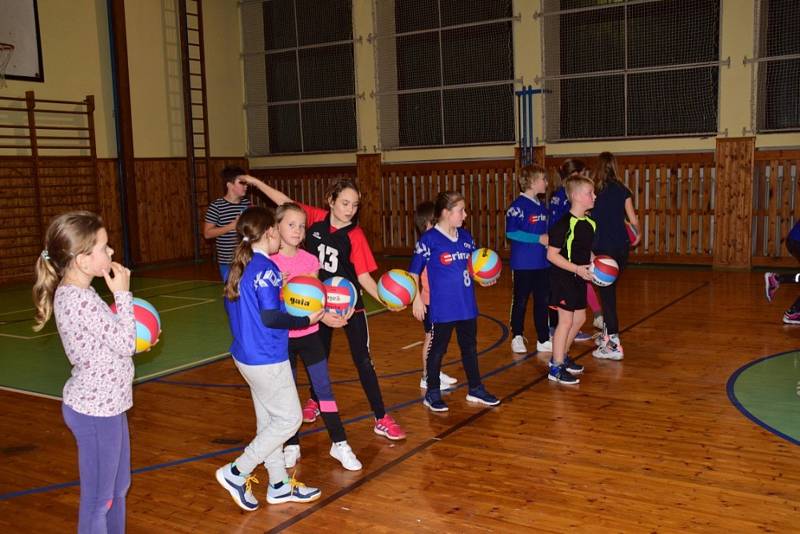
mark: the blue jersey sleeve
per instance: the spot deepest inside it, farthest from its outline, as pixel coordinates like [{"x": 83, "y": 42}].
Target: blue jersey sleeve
[
  {"x": 268, "y": 289},
  {"x": 422, "y": 253}
]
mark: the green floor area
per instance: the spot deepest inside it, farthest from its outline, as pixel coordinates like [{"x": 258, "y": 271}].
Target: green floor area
[
  {"x": 769, "y": 391},
  {"x": 194, "y": 331}
]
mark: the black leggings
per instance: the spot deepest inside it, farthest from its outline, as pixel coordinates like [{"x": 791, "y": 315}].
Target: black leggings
[
  {"x": 529, "y": 282},
  {"x": 466, "y": 333},
  {"x": 311, "y": 351},
  {"x": 608, "y": 294},
  {"x": 357, "y": 332}
]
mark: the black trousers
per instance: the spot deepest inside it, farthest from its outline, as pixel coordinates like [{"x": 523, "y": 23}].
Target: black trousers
[
  {"x": 466, "y": 333},
  {"x": 608, "y": 294},
  {"x": 357, "y": 332},
  {"x": 527, "y": 283}
]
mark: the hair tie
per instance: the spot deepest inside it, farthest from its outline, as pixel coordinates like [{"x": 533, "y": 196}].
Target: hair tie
[
  {"x": 45, "y": 255},
  {"x": 246, "y": 239}
]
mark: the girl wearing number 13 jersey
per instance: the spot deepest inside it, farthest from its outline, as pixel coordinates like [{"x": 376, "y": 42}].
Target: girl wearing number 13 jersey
[{"x": 342, "y": 249}]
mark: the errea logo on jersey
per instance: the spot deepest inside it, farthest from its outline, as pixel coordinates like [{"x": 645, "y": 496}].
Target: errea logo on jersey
[
  {"x": 316, "y": 235},
  {"x": 266, "y": 278},
  {"x": 446, "y": 258},
  {"x": 533, "y": 219}
]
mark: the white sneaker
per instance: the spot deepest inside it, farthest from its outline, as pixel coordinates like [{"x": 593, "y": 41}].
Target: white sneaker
[
  {"x": 518, "y": 345},
  {"x": 291, "y": 453},
  {"x": 598, "y": 322},
  {"x": 547, "y": 346},
  {"x": 342, "y": 452},
  {"x": 443, "y": 384},
  {"x": 447, "y": 379},
  {"x": 611, "y": 349}
]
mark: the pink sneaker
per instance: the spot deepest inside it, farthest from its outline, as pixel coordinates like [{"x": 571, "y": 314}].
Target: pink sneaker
[
  {"x": 388, "y": 427},
  {"x": 310, "y": 411}
]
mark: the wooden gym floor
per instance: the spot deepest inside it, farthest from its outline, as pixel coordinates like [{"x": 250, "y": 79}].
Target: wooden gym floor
[{"x": 651, "y": 443}]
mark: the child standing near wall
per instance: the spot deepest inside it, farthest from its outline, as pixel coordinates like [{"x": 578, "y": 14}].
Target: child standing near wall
[
  {"x": 222, "y": 214},
  {"x": 526, "y": 229},
  {"x": 613, "y": 205},
  {"x": 259, "y": 324},
  {"x": 99, "y": 345}
]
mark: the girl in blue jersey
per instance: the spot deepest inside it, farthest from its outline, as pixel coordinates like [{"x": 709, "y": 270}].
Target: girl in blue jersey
[
  {"x": 526, "y": 230},
  {"x": 445, "y": 250},
  {"x": 259, "y": 324}
]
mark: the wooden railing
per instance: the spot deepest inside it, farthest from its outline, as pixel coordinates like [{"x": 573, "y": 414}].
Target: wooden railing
[
  {"x": 673, "y": 195},
  {"x": 305, "y": 185},
  {"x": 488, "y": 188},
  {"x": 776, "y": 204}
]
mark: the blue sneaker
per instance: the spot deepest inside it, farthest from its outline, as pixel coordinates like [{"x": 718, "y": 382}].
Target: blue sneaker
[
  {"x": 291, "y": 491},
  {"x": 571, "y": 367},
  {"x": 480, "y": 395},
  {"x": 434, "y": 402},
  {"x": 582, "y": 337},
  {"x": 562, "y": 376},
  {"x": 240, "y": 487}
]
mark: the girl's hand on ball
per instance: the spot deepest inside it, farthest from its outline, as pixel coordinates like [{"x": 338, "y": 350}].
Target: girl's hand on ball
[
  {"x": 315, "y": 317},
  {"x": 333, "y": 320},
  {"x": 583, "y": 272}
]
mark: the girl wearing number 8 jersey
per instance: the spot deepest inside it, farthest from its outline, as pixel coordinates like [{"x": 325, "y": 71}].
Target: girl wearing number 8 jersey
[
  {"x": 342, "y": 249},
  {"x": 445, "y": 250}
]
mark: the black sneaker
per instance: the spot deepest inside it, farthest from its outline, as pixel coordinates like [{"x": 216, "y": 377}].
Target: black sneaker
[
  {"x": 481, "y": 396},
  {"x": 569, "y": 365},
  {"x": 572, "y": 367},
  {"x": 562, "y": 376},
  {"x": 434, "y": 402}
]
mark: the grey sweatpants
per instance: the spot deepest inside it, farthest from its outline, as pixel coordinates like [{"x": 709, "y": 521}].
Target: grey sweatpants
[{"x": 278, "y": 416}]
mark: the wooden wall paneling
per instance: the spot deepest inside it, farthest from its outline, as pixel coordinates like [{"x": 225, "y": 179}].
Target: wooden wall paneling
[
  {"x": 786, "y": 207},
  {"x": 164, "y": 210},
  {"x": 20, "y": 238},
  {"x": 694, "y": 199},
  {"x": 733, "y": 202},
  {"x": 652, "y": 208},
  {"x": 684, "y": 194},
  {"x": 369, "y": 178},
  {"x": 773, "y": 188},
  {"x": 108, "y": 198}
]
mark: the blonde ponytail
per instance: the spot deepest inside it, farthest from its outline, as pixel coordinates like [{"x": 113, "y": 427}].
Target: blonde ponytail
[{"x": 67, "y": 236}]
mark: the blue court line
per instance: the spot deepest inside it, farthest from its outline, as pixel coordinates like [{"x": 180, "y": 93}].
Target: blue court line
[
  {"x": 518, "y": 361},
  {"x": 491, "y": 347},
  {"x": 393, "y": 408},
  {"x": 732, "y": 397}
]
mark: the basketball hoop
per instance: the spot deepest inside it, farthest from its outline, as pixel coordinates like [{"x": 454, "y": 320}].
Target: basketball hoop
[{"x": 6, "y": 51}]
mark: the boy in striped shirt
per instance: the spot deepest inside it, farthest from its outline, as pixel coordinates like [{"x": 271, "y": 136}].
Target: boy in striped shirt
[{"x": 222, "y": 214}]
